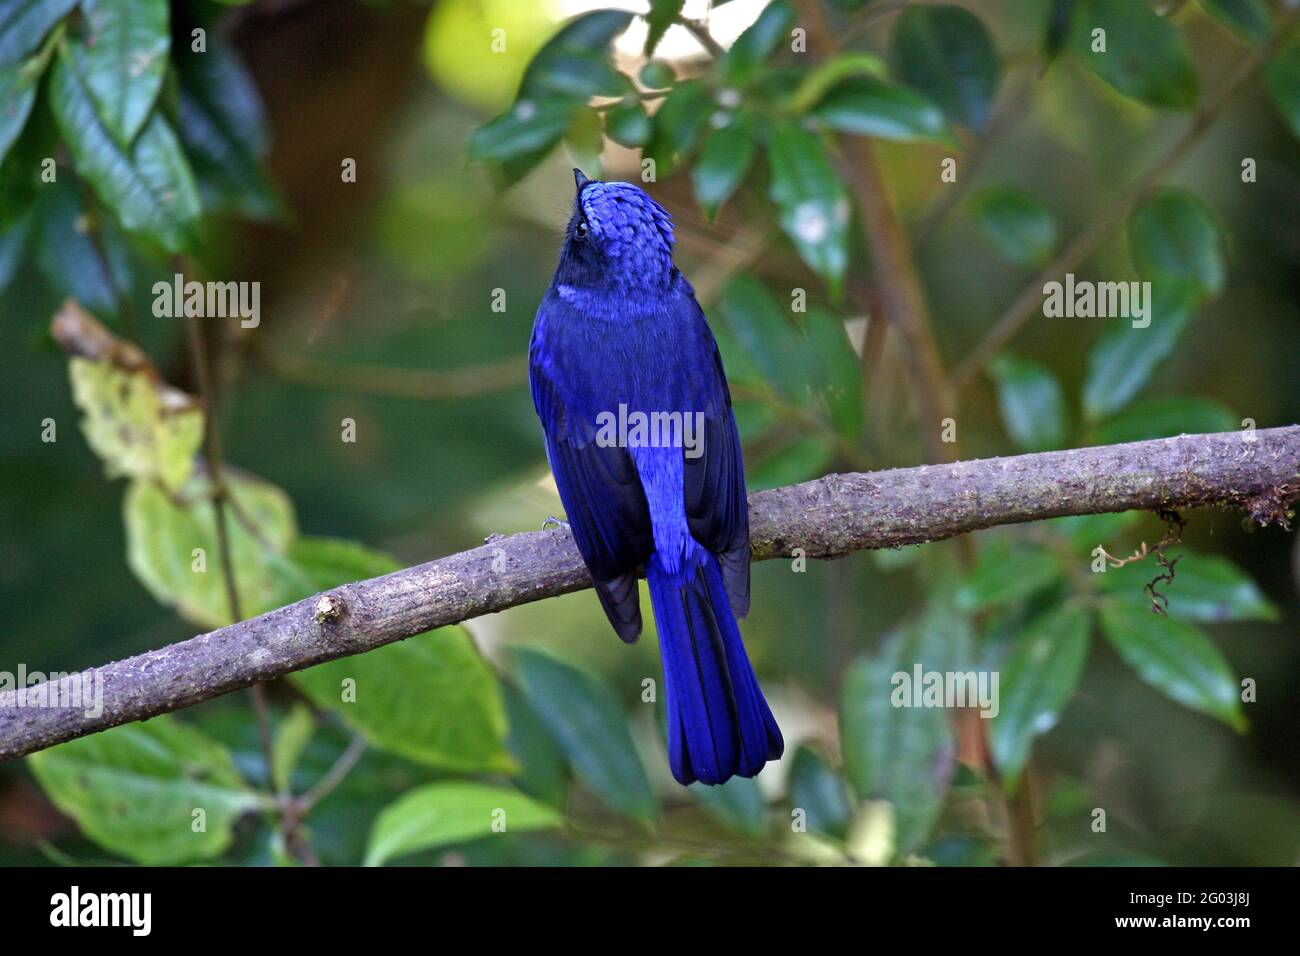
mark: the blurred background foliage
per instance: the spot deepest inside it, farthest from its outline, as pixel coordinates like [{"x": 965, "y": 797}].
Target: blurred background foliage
[{"x": 377, "y": 299}]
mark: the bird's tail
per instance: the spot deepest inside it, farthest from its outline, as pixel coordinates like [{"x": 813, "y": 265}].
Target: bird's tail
[{"x": 719, "y": 725}]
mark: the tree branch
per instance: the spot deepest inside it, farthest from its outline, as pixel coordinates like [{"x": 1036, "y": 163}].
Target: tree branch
[{"x": 829, "y": 517}]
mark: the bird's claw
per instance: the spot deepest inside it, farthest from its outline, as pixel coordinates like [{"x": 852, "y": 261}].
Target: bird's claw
[{"x": 552, "y": 520}]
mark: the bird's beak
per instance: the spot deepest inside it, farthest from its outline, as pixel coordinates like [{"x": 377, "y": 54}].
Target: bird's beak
[{"x": 580, "y": 178}]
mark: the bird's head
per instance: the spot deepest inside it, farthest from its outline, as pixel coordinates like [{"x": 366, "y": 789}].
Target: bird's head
[{"x": 617, "y": 236}]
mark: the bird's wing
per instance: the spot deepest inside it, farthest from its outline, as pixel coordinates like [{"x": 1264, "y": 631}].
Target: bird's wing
[
  {"x": 599, "y": 486},
  {"x": 716, "y": 506}
]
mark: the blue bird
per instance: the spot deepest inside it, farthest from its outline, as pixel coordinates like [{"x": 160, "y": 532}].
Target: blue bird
[{"x": 641, "y": 438}]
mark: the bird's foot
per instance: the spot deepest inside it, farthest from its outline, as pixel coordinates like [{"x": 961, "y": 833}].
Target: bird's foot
[{"x": 552, "y": 520}]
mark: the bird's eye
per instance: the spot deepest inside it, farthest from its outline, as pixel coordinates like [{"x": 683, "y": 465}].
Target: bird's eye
[{"x": 580, "y": 230}]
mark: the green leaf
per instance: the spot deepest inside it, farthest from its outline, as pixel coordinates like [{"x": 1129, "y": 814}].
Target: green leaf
[
  {"x": 150, "y": 188},
  {"x": 1146, "y": 57},
  {"x": 947, "y": 54},
  {"x": 820, "y": 793},
  {"x": 765, "y": 333},
  {"x": 813, "y": 366},
  {"x": 24, "y": 23},
  {"x": 544, "y": 773},
  {"x": 585, "y": 141},
  {"x": 628, "y": 124},
  {"x": 162, "y": 533},
  {"x": 870, "y": 106},
  {"x": 585, "y": 719},
  {"x": 834, "y": 371},
  {"x": 123, "y": 59},
  {"x": 662, "y": 15},
  {"x": 574, "y": 76},
  {"x": 65, "y": 249},
  {"x": 1176, "y": 658},
  {"x": 1165, "y": 417},
  {"x": 816, "y": 82},
  {"x": 575, "y": 61},
  {"x": 460, "y": 723},
  {"x": 17, "y": 94},
  {"x": 1283, "y": 77},
  {"x": 1123, "y": 358},
  {"x": 812, "y": 205},
  {"x": 1021, "y": 228},
  {"x": 724, "y": 161},
  {"x": 1037, "y": 681},
  {"x": 22, "y": 166},
  {"x": 138, "y": 426},
  {"x": 677, "y": 124},
  {"x": 1248, "y": 19},
  {"x": 587, "y": 32},
  {"x": 1003, "y": 574},
  {"x": 135, "y": 790},
  {"x": 738, "y": 804},
  {"x": 657, "y": 75},
  {"x": 527, "y": 128},
  {"x": 1173, "y": 239},
  {"x": 292, "y": 735},
  {"x": 439, "y": 814},
  {"x": 1205, "y": 588},
  {"x": 1032, "y": 403},
  {"x": 222, "y": 124},
  {"x": 904, "y": 755},
  {"x": 757, "y": 43}
]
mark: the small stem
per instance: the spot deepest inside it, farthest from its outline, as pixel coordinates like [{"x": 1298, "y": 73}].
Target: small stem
[
  {"x": 95, "y": 234},
  {"x": 32, "y": 69},
  {"x": 335, "y": 776},
  {"x": 644, "y": 96},
  {"x": 700, "y": 31},
  {"x": 212, "y": 442},
  {"x": 1022, "y": 828},
  {"x": 220, "y": 495}
]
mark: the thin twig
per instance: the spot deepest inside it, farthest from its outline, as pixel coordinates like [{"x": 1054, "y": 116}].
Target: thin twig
[
  {"x": 335, "y": 776},
  {"x": 701, "y": 32},
  {"x": 219, "y": 496}
]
